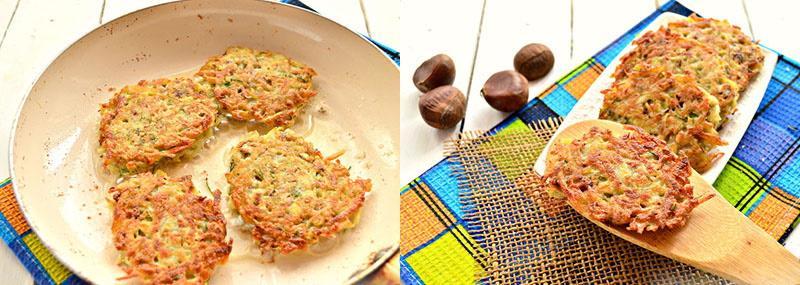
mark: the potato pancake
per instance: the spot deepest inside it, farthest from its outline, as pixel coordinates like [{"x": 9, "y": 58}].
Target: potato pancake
[
  {"x": 729, "y": 41},
  {"x": 165, "y": 232},
  {"x": 670, "y": 107},
  {"x": 259, "y": 86},
  {"x": 632, "y": 180},
  {"x": 290, "y": 193},
  {"x": 665, "y": 83},
  {"x": 155, "y": 121},
  {"x": 681, "y": 56}
]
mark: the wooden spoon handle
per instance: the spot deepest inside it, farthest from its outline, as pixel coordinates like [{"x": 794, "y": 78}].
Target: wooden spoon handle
[
  {"x": 733, "y": 247},
  {"x": 759, "y": 260},
  {"x": 748, "y": 254}
]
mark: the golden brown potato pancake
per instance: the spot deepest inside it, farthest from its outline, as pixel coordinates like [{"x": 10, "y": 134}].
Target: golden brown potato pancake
[
  {"x": 632, "y": 179},
  {"x": 670, "y": 107},
  {"x": 290, "y": 193},
  {"x": 729, "y": 41},
  {"x": 259, "y": 85},
  {"x": 165, "y": 232},
  {"x": 155, "y": 121},
  {"x": 682, "y": 82},
  {"x": 681, "y": 56}
]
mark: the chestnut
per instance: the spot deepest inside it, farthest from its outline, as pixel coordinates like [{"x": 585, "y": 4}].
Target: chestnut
[
  {"x": 534, "y": 61},
  {"x": 506, "y": 91},
  {"x": 443, "y": 107},
  {"x": 437, "y": 71}
]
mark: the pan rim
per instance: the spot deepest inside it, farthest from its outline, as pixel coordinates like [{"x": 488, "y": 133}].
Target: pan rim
[{"x": 82, "y": 35}]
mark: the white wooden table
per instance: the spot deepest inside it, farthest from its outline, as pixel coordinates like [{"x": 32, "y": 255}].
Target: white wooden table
[
  {"x": 482, "y": 37},
  {"x": 35, "y": 31}
]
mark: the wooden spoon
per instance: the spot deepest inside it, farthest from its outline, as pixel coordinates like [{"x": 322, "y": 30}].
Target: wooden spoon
[{"x": 716, "y": 238}]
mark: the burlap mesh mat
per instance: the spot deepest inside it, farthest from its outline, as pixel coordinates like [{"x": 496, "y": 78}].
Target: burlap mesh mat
[{"x": 529, "y": 238}]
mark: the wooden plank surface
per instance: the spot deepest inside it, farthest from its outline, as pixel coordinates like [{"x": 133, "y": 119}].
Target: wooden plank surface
[
  {"x": 346, "y": 12},
  {"x": 383, "y": 20},
  {"x": 7, "y": 8},
  {"x": 453, "y": 33},
  {"x": 113, "y": 9},
  {"x": 733, "y": 11},
  {"x": 13, "y": 271},
  {"x": 38, "y": 31},
  {"x": 595, "y": 24},
  {"x": 505, "y": 30},
  {"x": 776, "y": 27}
]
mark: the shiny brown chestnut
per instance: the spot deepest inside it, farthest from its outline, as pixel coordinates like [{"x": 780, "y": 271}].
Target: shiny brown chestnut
[
  {"x": 534, "y": 61},
  {"x": 506, "y": 91},
  {"x": 437, "y": 71},
  {"x": 443, "y": 107}
]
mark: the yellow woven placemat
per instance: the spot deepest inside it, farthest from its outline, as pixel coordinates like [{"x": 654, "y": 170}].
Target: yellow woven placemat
[{"x": 530, "y": 238}]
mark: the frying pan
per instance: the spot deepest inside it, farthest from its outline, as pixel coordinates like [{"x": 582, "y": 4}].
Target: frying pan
[{"x": 61, "y": 187}]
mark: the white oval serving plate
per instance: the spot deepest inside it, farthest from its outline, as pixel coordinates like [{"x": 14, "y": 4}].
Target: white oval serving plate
[
  {"x": 589, "y": 105},
  {"x": 62, "y": 190}
]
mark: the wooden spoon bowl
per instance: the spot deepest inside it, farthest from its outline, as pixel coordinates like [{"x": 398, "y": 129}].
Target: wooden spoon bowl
[{"x": 716, "y": 238}]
